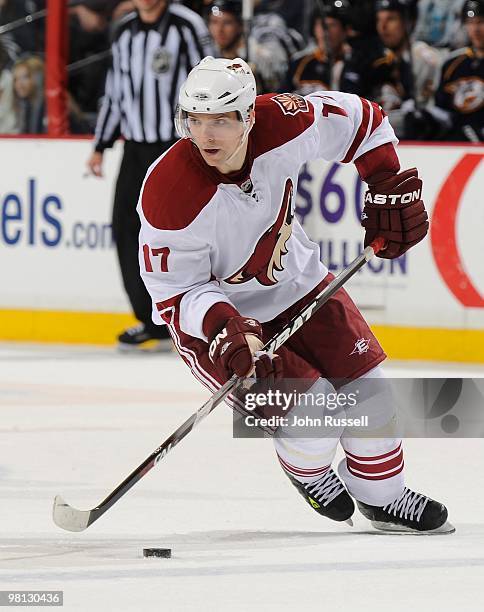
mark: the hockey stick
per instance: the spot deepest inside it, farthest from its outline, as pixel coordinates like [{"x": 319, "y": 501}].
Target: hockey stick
[{"x": 71, "y": 519}]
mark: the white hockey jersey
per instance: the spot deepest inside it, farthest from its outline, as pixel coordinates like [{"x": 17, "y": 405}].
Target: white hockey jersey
[{"x": 207, "y": 237}]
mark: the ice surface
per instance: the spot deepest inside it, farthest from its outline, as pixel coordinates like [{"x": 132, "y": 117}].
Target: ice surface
[{"x": 76, "y": 421}]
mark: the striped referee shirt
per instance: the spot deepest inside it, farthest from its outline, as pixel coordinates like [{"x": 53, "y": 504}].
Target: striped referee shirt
[{"x": 149, "y": 64}]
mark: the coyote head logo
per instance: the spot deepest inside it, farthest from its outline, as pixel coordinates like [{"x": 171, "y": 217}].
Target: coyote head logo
[{"x": 271, "y": 247}]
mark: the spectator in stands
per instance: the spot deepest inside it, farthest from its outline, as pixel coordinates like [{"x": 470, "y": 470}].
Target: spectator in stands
[
  {"x": 403, "y": 76},
  {"x": 439, "y": 23},
  {"x": 28, "y": 83},
  {"x": 8, "y": 119},
  {"x": 319, "y": 68},
  {"x": 29, "y": 100},
  {"x": 226, "y": 28},
  {"x": 271, "y": 45},
  {"x": 461, "y": 90}
]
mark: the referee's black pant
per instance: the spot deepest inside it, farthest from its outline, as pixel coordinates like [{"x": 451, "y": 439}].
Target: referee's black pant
[{"x": 137, "y": 158}]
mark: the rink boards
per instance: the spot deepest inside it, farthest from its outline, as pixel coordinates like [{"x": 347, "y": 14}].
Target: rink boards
[{"x": 60, "y": 280}]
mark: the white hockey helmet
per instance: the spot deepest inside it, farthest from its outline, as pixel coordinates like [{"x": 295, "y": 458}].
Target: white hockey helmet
[{"x": 216, "y": 85}]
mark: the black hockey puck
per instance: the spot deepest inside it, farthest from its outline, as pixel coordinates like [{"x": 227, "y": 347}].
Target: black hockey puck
[{"x": 157, "y": 552}]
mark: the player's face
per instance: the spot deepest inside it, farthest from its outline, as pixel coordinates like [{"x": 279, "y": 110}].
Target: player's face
[
  {"x": 475, "y": 31},
  {"x": 225, "y": 29},
  {"x": 216, "y": 136},
  {"x": 391, "y": 28}
]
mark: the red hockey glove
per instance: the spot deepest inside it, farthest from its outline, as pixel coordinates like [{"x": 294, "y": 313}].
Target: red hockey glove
[
  {"x": 394, "y": 210},
  {"x": 232, "y": 350}
]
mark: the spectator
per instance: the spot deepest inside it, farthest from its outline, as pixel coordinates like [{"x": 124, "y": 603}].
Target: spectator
[
  {"x": 271, "y": 44},
  {"x": 8, "y": 120},
  {"x": 153, "y": 51},
  {"x": 226, "y": 27},
  {"x": 28, "y": 83},
  {"x": 439, "y": 23},
  {"x": 319, "y": 69},
  {"x": 403, "y": 77},
  {"x": 461, "y": 90}
]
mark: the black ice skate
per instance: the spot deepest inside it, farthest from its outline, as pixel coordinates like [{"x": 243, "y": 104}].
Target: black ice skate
[
  {"x": 411, "y": 513},
  {"x": 327, "y": 496},
  {"x": 138, "y": 338}
]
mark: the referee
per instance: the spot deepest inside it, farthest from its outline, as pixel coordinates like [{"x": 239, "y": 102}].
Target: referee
[{"x": 153, "y": 50}]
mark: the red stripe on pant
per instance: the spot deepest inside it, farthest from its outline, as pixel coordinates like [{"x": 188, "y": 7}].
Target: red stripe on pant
[
  {"x": 374, "y": 457},
  {"x": 373, "y": 468},
  {"x": 307, "y": 473}
]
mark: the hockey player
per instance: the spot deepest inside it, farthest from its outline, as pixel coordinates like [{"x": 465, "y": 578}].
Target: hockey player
[{"x": 227, "y": 264}]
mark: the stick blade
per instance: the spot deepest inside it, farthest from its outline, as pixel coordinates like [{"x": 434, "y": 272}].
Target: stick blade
[{"x": 69, "y": 518}]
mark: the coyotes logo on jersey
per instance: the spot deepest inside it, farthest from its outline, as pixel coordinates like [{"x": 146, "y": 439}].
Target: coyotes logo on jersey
[
  {"x": 291, "y": 104},
  {"x": 267, "y": 256}
]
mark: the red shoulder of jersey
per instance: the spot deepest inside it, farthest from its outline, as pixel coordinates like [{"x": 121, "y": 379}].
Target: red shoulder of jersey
[
  {"x": 280, "y": 118},
  {"x": 177, "y": 189}
]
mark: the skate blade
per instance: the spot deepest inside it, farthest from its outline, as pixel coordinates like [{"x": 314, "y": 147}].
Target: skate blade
[{"x": 393, "y": 529}]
